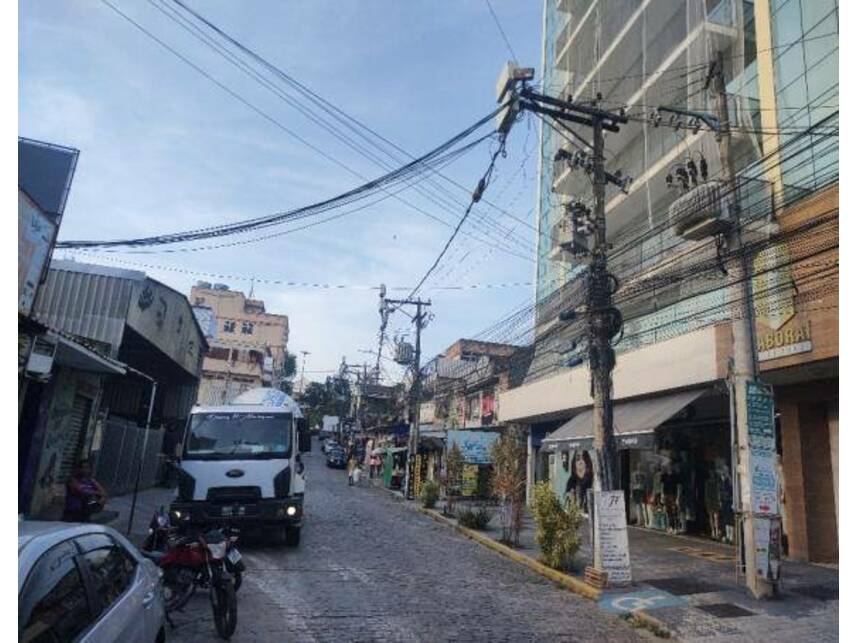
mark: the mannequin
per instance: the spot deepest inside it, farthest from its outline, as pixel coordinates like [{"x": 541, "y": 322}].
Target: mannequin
[
  {"x": 712, "y": 503},
  {"x": 638, "y": 496},
  {"x": 726, "y": 515},
  {"x": 658, "y": 498}
]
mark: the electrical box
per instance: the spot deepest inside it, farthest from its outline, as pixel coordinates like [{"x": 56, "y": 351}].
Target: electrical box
[
  {"x": 41, "y": 359},
  {"x": 567, "y": 244},
  {"x": 699, "y": 213},
  {"x": 404, "y": 353}
]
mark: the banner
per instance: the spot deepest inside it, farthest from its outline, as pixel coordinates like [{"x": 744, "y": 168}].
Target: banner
[{"x": 475, "y": 445}]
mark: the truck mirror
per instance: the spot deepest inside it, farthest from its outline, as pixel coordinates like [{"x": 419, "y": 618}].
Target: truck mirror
[{"x": 304, "y": 438}]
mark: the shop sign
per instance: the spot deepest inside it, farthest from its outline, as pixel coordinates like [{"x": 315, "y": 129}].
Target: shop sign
[
  {"x": 475, "y": 445},
  {"x": 773, "y": 289},
  {"x": 35, "y": 238},
  {"x": 795, "y": 339},
  {"x": 612, "y": 535},
  {"x": 469, "y": 479}
]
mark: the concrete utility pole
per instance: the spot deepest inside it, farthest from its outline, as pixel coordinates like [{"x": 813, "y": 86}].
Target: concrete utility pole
[
  {"x": 744, "y": 369},
  {"x": 414, "y": 438}
]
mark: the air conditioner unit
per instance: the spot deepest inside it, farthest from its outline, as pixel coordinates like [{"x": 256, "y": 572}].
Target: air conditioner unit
[
  {"x": 41, "y": 359},
  {"x": 699, "y": 213},
  {"x": 566, "y": 244}
]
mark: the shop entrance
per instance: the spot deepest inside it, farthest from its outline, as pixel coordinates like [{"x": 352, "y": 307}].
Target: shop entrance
[{"x": 683, "y": 483}]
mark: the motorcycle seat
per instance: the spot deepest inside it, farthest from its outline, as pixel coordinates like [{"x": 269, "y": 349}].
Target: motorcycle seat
[{"x": 153, "y": 555}]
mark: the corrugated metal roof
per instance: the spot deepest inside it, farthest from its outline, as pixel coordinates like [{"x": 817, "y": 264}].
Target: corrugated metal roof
[{"x": 82, "y": 301}]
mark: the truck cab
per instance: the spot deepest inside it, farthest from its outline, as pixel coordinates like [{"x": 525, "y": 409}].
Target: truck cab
[{"x": 241, "y": 466}]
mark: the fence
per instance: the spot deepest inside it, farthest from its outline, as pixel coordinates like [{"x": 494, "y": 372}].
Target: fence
[{"x": 120, "y": 455}]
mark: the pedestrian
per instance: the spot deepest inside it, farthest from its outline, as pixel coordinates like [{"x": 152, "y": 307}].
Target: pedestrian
[{"x": 84, "y": 496}]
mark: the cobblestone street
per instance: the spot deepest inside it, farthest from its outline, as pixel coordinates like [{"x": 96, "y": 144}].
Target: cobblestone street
[{"x": 368, "y": 569}]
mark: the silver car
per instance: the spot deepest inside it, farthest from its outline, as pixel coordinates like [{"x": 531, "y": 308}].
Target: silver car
[{"x": 80, "y": 582}]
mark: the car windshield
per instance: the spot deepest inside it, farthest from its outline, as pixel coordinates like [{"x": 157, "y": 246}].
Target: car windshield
[{"x": 221, "y": 436}]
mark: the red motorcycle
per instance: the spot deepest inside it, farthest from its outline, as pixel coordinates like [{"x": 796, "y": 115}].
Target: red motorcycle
[{"x": 199, "y": 560}]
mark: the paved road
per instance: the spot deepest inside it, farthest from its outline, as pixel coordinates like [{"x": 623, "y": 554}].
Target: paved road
[{"x": 369, "y": 569}]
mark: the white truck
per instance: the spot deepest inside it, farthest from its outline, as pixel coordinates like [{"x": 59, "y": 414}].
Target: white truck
[{"x": 241, "y": 466}]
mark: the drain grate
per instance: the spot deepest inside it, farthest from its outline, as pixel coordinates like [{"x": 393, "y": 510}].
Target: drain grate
[
  {"x": 818, "y": 592},
  {"x": 705, "y": 554},
  {"x": 725, "y": 610},
  {"x": 682, "y": 586}
]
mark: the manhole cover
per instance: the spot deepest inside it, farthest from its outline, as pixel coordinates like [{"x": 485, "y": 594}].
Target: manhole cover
[
  {"x": 682, "y": 586},
  {"x": 818, "y": 592},
  {"x": 725, "y": 610}
]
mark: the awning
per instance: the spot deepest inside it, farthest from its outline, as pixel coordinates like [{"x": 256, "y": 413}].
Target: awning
[
  {"x": 70, "y": 353},
  {"x": 632, "y": 421}
]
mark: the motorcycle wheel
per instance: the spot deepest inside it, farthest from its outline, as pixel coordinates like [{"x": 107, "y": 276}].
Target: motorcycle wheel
[
  {"x": 178, "y": 588},
  {"x": 237, "y": 578},
  {"x": 224, "y": 605}
]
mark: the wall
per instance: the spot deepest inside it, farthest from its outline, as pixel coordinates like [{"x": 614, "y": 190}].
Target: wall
[
  {"x": 35, "y": 238},
  {"x": 684, "y": 361},
  {"x": 57, "y": 433},
  {"x": 164, "y": 317}
]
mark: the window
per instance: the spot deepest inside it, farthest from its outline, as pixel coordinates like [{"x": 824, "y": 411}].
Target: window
[
  {"x": 110, "y": 568},
  {"x": 53, "y": 605},
  {"x": 229, "y": 326},
  {"x": 247, "y": 328}
]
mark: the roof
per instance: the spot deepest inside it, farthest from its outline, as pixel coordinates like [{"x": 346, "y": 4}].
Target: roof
[{"x": 97, "y": 269}]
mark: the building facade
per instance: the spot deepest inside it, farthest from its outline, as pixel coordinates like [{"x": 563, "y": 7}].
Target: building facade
[
  {"x": 248, "y": 346},
  {"x": 780, "y": 66}
]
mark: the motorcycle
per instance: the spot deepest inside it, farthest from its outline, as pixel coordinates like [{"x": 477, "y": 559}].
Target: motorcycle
[
  {"x": 199, "y": 560},
  {"x": 161, "y": 531}
]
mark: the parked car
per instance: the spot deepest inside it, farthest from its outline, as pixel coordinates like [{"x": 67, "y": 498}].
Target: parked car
[
  {"x": 83, "y": 582},
  {"x": 336, "y": 457},
  {"x": 329, "y": 444}
]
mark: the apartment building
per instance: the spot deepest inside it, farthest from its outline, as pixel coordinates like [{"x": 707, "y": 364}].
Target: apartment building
[
  {"x": 780, "y": 64},
  {"x": 248, "y": 346}
]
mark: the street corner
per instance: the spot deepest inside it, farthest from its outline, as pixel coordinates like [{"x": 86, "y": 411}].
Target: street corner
[{"x": 638, "y": 599}]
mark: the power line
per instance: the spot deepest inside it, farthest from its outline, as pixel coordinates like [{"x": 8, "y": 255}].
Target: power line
[{"x": 502, "y": 32}]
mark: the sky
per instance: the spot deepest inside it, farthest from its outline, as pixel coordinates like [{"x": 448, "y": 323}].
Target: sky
[{"x": 164, "y": 149}]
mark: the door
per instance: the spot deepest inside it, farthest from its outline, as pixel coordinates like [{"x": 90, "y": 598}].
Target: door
[
  {"x": 73, "y": 449},
  {"x": 119, "y": 590},
  {"x": 54, "y": 604}
]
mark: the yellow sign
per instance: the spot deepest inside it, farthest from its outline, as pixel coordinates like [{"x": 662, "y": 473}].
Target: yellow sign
[
  {"x": 469, "y": 478},
  {"x": 793, "y": 340},
  {"x": 773, "y": 287}
]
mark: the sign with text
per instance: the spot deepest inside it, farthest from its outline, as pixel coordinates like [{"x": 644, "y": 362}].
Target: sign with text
[
  {"x": 611, "y": 535},
  {"x": 764, "y": 485},
  {"x": 475, "y": 445}
]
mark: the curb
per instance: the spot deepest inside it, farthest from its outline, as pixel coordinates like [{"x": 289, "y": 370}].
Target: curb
[
  {"x": 656, "y": 625},
  {"x": 569, "y": 582}
]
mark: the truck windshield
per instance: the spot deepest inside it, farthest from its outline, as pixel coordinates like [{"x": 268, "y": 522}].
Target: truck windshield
[{"x": 224, "y": 436}]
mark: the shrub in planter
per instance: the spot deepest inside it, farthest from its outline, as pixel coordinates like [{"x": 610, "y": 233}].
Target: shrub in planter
[
  {"x": 477, "y": 519},
  {"x": 556, "y": 527},
  {"x": 429, "y": 494}
]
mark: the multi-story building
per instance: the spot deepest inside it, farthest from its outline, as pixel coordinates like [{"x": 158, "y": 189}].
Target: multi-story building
[
  {"x": 780, "y": 65},
  {"x": 248, "y": 346}
]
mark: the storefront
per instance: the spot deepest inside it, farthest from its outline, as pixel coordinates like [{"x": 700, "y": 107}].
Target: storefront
[{"x": 675, "y": 462}]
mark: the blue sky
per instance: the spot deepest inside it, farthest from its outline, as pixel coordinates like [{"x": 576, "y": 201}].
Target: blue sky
[{"x": 164, "y": 149}]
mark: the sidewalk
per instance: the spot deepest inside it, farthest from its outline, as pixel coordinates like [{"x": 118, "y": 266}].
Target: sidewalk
[
  {"x": 148, "y": 502},
  {"x": 689, "y": 587}
]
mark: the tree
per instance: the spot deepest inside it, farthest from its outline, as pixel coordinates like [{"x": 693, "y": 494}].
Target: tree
[
  {"x": 451, "y": 477},
  {"x": 509, "y": 483}
]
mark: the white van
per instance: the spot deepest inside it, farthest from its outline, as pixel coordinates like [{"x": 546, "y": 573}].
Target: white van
[{"x": 241, "y": 465}]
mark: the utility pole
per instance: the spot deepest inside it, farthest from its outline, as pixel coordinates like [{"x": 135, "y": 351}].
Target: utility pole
[
  {"x": 603, "y": 320},
  {"x": 602, "y": 358},
  {"x": 744, "y": 371},
  {"x": 303, "y": 370},
  {"x": 414, "y": 437}
]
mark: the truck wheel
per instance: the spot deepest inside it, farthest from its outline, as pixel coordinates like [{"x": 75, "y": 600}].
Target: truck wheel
[{"x": 293, "y": 536}]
